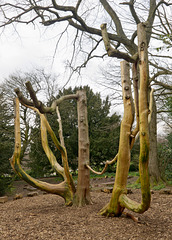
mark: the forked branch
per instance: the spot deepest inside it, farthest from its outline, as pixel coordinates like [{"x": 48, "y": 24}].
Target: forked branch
[
  {"x": 61, "y": 189},
  {"x": 114, "y": 52},
  {"x": 38, "y": 104}
]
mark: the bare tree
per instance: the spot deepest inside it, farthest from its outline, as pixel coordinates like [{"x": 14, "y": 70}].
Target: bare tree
[
  {"x": 85, "y": 19},
  {"x": 119, "y": 43}
]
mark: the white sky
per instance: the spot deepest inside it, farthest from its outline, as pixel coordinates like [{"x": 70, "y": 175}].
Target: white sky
[{"x": 29, "y": 48}]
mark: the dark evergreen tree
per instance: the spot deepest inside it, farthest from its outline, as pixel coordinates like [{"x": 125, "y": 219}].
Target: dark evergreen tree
[{"x": 6, "y": 144}]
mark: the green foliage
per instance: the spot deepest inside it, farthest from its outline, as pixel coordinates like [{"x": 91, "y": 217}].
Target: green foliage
[
  {"x": 134, "y": 174},
  {"x": 165, "y": 157},
  {"x": 134, "y": 165},
  {"x": 6, "y": 145},
  {"x": 134, "y": 185},
  {"x": 38, "y": 163},
  {"x": 159, "y": 186},
  {"x": 103, "y": 130}
]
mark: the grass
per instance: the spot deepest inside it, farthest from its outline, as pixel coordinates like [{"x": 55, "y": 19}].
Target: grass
[
  {"x": 134, "y": 174},
  {"x": 158, "y": 187}
]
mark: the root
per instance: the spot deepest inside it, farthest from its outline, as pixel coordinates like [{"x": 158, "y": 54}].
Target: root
[{"x": 129, "y": 215}]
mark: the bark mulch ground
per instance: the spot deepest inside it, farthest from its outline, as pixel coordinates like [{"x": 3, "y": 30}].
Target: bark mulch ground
[{"x": 45, "y": 217}]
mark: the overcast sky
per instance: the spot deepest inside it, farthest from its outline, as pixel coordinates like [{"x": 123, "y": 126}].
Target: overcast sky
[{"x": 28, "y": 48}]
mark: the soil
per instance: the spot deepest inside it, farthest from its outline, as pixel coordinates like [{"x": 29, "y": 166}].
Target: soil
[{"x": 45, "y": 217}]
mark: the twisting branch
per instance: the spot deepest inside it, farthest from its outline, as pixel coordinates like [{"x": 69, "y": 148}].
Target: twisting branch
[
  {"x": 114, "y": 52},
  {"x": 61, "y": 189},
  {"x": 38, "y": 104},
  {"x": 105, "y": 167}
]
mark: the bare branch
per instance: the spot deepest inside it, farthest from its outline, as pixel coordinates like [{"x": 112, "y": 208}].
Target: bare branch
[
  {"x": 132, "y": 10},
  {"x": 60, "y": 127},
  {"x": 114, "y": 17},
  {"x": 166, "y": 86},
  {"x": 105, "y": 167},
  {"x": 38, "y": 104},
  {"x": 152, "y": 10},
  {"x": 78, "y": 4},
  {"x": 114, "y": 52}
]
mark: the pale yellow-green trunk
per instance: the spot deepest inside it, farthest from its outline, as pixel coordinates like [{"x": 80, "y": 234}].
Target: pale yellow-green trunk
[
  {"x": 119, "y": 199},
  {"x": 64, "y": 189},
  {"x": 123, "y": 162}
]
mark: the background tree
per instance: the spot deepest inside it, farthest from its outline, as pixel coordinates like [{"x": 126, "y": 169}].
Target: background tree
[
  {"x": 6, "y": 144},
  {"x": 165, "y": 145}
]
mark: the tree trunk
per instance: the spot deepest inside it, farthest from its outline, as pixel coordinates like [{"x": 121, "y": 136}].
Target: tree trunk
[
  {"x": 119, "y": 199},
  {"x": 154, "y": 172},
  {"x": 123, "y": 162},
  {"x": 83, "y": 187}
]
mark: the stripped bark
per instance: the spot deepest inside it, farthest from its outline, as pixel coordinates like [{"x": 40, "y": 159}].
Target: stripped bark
[
  {"x": 144, "y": 129},
  {"x": 61, "y": 189},
  {"x": 119, "y": 200},
  {"x": 83, "y": 188},
  {"x": 123, "y": 163},
  {"x": 67, "y": 188}
]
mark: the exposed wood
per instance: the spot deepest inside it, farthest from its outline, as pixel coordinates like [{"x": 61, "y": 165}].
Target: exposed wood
[
  {"x": 59, "y": 189},
  {"x": 123, "y": 163},
  {"x": 144, "y": 129},
  {"x": 60, "y": 127},
  {"x": 83, "y": 187},
  {"x": 38, "y": 104},
  {"x": 105, "y": 167},
  {"x": 114, "y": 52}
]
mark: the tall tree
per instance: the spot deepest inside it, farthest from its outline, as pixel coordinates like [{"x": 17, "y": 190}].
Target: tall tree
[
  {"x": 66, "y": 189},
  {"x": 85, "y": 21}
]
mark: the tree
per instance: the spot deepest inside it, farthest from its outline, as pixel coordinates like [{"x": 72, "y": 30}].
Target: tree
[
  {"x": 44, "y": 84},
  {"x": 100, "y": 125},
  {"x": 81, "y": 18},
  {"x": 165, "y": 147},
  {"x": 103, "y": 132},
  {"x": 66, "y": 189},
  {"x": 6, "y": 144},
  {"x": 78, "y": 18}
]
